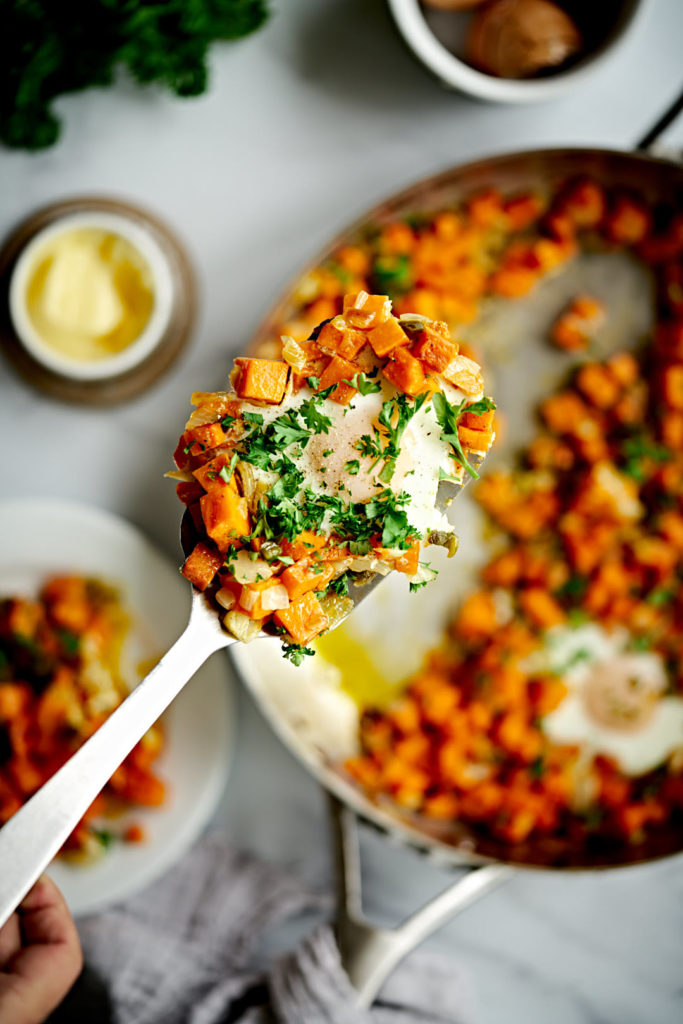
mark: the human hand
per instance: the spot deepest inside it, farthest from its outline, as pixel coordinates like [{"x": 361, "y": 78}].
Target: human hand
[{"x": 40, "y": 956}]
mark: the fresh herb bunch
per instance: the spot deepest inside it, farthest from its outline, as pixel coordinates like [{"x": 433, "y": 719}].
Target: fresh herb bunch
[{"x": 49, "y": 48}]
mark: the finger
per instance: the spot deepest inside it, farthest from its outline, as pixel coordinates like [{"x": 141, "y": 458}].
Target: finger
[
  {"x": 44, "y": 916},
  {"x": 38, "y": 977},
  {"x": 10, "y": 939}
]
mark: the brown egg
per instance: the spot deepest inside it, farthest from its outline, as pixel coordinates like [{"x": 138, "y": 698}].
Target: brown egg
[
  {"x": 453, "y": 5},
  {"x": 517, "y": 38}
]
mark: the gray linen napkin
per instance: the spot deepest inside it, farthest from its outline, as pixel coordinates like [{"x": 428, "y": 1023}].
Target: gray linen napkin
[{"x": 181, "y": 953}]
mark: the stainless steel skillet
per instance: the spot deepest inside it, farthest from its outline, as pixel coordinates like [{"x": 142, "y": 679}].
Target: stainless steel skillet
[{"x": 369, "y": 953}]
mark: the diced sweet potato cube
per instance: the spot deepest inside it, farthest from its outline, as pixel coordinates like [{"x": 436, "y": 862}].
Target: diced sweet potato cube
[
  {"x": 208, "y": 475},
  {"x": 387, "y": 337},
  {"x": 337, "y": 371},
  {"x": 628, "y": 221},
  {"x": 598, "y": 385},
  {"x": 181, "y": 455},
  {"x": 465, "y": 374},
  {"x": 477, "y": 420},
  {"x": 434, "y": 349},
  {"x": 541, "y": 607},
  {"x": 303, "y": 576},
  {"x": 476, "y": 440},
  {"x": 340, "y": 339},
  {"x": 210, "y": 435},
  {"x": 366, "y": 311},
  {"x": 201, "y": 565},
  {"x": 486, "y": 208},
  {"x": 672, "y": 386},
  {"x": 409, "y": 561},
  {"x": 624, "y": 367},
  {"x": 225, "y": 516},
  {"x": 523, "y": 210},
  {"x": 405, "y": 372},
  {"x": 304, "y": 619},
  {"x": 261, "y": 380},
  {"x": 189, "y": 492},
  {"x": 304, "y": 545},
  {"x": 583, "y": 202},
  {"x": 477, "y": 615}
]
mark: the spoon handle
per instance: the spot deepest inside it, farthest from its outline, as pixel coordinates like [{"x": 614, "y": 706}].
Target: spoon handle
[{"x": 36, "y": 833}]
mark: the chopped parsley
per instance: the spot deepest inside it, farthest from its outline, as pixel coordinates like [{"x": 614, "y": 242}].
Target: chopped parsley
[
  {"x": 352, "y": 467},
  {"x": 296, "y": 653},
  {"x": 226, "y": 472},
  {"x": 227, "y": 422},
  {"x": 362, "y": 383},
  {"x": 70, "y": 642},
  {"x": 340, "y": 585},
  {"x": 448, "y": 417},
  {"x": 384, "y": 445}
]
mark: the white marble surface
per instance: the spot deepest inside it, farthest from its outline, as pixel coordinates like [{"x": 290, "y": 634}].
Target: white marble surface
[{"x": 308, "y": 123}]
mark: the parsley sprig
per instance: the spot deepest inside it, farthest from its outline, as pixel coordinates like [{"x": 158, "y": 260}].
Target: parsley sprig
[
  {"x": 448, "y": 416},
  {"x": 384, "y": 445}
]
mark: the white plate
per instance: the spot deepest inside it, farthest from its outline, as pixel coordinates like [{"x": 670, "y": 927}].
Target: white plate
[{"x": 41, "y": 537}]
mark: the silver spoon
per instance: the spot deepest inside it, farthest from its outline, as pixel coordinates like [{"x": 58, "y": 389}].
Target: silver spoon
[{"x": 37, "y": 832}]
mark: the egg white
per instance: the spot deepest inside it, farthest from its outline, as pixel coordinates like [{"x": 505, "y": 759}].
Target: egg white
[{"x": 575, "y": 654}]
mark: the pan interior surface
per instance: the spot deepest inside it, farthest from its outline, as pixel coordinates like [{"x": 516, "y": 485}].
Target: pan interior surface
[{"x": 315, "y": 708}]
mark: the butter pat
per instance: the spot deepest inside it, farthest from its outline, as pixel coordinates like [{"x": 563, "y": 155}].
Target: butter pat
[{"x": 90, "y": 293}]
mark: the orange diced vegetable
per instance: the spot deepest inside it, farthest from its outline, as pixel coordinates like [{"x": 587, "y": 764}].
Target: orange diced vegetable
[
  {"x": 261, "y": 380},
  {"x": 477, "y": 615},
  {"x": 304, "y": 545},
  {"x": 583, "y": 202},
  {"x": 434, "y": 348},
  {"x": 366, "y": 311},
  {"x": 189, "y": 492},
  {"x": 628, "y": 221},
  {"x": 340, "y": 339},
  {"x": 302, "y": 577},
  {"x": 225, "y": 515},
  {"x": 209, "y": 475},
  {"x": 409, "y": 561},
  {"x": 598, "y": 385},
  {"x": 387, "y": 337},
  {"x": 405, "y": 372},
  {"x": 478, "y": 420},
  {"x": 210, "y": 435},
  {"x": 135, "y": 834},
  {"x": 541, "y": 607},
  {"x": 476, "y": 440},
  {"x": 523, "y": 210},
  {"x": 672, "y": 386},
  {"x": 304, "y": 619},
  {"x": 338, "y": 371},
  {"x": 201, "y": 565}
]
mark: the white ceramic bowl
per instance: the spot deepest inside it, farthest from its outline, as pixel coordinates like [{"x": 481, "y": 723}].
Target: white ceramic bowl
[
  {"x": 147, "y": 340},
  {"x": 409, "y": 16}
]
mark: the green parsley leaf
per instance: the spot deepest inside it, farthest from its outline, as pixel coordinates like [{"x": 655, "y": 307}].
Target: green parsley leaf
[
  {"x": 296, "y": 653},
  {"x": 340, "y": 585},
  {"x": 226, "y": 472},
  {"x": 352, "y": 467},
  {"x": 447, "y": 417},
  {"x": 70, "y": 641},
  {"x": 253, "y": 417},
  {"x": 362, "y": 383},
  {"x": 227, "y": 422}
]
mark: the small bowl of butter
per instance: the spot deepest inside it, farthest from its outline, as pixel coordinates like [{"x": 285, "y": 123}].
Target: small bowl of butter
[{"x": 91, "y": 295}]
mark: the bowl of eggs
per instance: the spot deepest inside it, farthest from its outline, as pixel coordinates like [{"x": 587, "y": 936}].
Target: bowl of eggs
[{"x": 514, "y": 51}]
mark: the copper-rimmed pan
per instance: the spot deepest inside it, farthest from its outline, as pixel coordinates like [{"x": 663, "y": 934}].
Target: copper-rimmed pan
[{"x": 369, "y": 954}]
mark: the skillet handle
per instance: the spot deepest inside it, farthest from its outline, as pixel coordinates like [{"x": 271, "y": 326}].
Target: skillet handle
[
  {"x": 370, "y": 954},
  {"x": 649, "y": 143}
]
